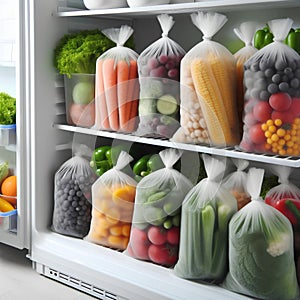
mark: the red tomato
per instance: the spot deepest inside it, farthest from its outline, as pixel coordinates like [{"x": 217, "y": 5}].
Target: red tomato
[
  {"x": 246, "y": 146},
  {"x": 262, "y": 111},
  {"x": 173, "y": 235},
  {"x": 295, "y": 107},
  {"x": 157, "y": 235},
  {"x": 139, "y": 243},
  {"x": 163, "y": 254},
  {"x": 280, "y": 101},
  {"x": 82, "y": 115},
  {"x": 285, "y": 117},
  {"x": 256, "y": 134}
]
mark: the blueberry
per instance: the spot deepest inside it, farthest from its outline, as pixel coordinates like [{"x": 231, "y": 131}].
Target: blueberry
[
  {"x": 269, "y": 72},
  {"x": 283, "y": 86},
  {"x": 295, "y": 83},
  {"x": 272, "y": 88},
  {"x": 280, "y": 64},
  {"x": 276, "y": 78}
]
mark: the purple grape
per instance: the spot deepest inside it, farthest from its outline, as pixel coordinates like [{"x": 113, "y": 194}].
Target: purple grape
[
  {"x": 163, "y": 59},
  {"x": 173, "y": 73},
  {"x": 170, "y": 64},
  {"x": 163, "y": 130},
  {"x": 152, "y": 63},
  {"x": 159, "y": 72}
]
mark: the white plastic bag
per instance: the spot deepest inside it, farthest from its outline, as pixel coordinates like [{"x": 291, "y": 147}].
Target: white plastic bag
[
  {"x": 159, "y": 73},
  {"x": 245, "y": 32},
  {"x": 116, "y": 86},
  {"x": 261, "y": 255},
  {"x": 272, "y": 90},
  {"x": 206, "y": 212},
  {"x": 208, "y": 88},
  {"x": 72, "y": 197},
  {"x": 113, "y": 201},
  {"x": 236, "y": 182},
  {"x": 156, "y": 221}
]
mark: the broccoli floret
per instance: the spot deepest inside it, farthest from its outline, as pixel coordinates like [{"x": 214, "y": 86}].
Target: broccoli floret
[
  {"x": 7, "y": 109},
  {"x": 78, "y": 52}
]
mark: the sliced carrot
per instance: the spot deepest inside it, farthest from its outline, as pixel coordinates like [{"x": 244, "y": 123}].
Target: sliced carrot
[
  {"x": 116, "y": 230},
  {"x": 132, "y": 97},
  {"x": 101, "y": 118},
  {"x": 126, "y": 230},
  {"x": 110, "y": 88},
  {"x": 123, "y": 77},
  {"x": 118, "y": 242}
]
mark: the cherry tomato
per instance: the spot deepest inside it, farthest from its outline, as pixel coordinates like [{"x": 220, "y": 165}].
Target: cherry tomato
[
  {"x": 280, "y": 101},
  {"x": 157, "y": 235},
  {"x": 249, "y": 119},
  {"x": 295, "y": 107},
  {"x": 82, "y": 115},
  {"x": 262, "y": 111},
  {"x": 256, "y": 134},
  {"x": 285, "y": 117}
]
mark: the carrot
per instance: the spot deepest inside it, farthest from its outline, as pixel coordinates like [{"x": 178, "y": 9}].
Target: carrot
[
  {"x": 122, "y": 79},
  {"x": 118, "y": 242},
  {"x": 110, "y": 88},
  {"x": 116, "y": 230},
  {"x": 132, "y": 96},
  {"x": 101, "y": 120},
  {"x": 126, "y": 230}
]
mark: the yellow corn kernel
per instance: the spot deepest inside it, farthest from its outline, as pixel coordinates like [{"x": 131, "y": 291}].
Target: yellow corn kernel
[
  {"x": 269, "y": 141},
  {"x": 269, "y": 122},
  {"x": 287, "y": 137},
  {"x": 281, "y": 142},
  {"x": 281, "y": 132},
  {"x": 274, "y": 137},
  {"x": 272, "y": 128},
  {"x": 282, "y": 152},
  {"x": 290, "y": 144},
  {"x": 264, "y": 127},
  {"x": 268, "y": 134}
]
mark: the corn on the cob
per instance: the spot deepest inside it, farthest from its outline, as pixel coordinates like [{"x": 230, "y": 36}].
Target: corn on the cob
[
  {"x": 211, "y": 102},
  {"x": 224, "y": 73}
]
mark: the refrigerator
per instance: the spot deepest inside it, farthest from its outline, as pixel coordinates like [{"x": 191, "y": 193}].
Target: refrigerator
[{"x": 45, "y": 141}]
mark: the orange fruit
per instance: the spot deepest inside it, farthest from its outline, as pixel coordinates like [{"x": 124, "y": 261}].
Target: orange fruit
[{"x": 9, "y": 189}]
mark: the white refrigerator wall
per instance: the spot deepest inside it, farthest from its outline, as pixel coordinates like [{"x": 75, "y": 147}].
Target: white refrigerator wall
[{"x": 91, "y": 268}]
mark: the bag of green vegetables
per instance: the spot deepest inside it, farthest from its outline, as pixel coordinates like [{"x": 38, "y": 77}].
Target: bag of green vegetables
[
  {"x": 261, "y": 257},
  {"x": 156, "y": 219},
  {"x": 206, "y": 211}
]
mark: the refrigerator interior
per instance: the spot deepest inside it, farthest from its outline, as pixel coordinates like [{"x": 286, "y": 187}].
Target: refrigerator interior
[
  {"x": 13, "y": 143},
  {"x": 102, "y": 272}
]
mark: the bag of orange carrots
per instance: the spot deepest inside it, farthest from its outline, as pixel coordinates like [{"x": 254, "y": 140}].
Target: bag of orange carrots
[
  {"x": 159, "y": 73},
  {"x": 113, "y": 196},
  {"x": 245, "y": 33},
  {"x": 208, "y": 88},
  {"x": 117, "y": 86}
]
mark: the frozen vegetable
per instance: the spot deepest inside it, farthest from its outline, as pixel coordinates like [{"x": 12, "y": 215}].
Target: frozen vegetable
[
  {"x": 261, "y": 255},
  {"x": 206, "y": 212},
  {"x": 159, "y": 72},
  {"x": 117, "y": 84}
]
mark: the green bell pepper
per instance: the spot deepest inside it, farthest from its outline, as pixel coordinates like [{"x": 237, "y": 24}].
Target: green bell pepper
[
  {"x": 147, "y": 164},
  {"x": 263, "y": 37},
  {"x": 101, "y": 160}
]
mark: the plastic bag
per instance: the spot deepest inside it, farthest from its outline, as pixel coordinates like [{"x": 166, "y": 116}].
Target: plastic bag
[
  {"x": 159, "y": 73},
  {"x": 113, "y": 201},
  {"x": 72, "y": 197},
  {"x": 156, "y": 221},
  {"x": 245, "y": 33},
  {"x": 272, "y": 91},
  {"x": 236, "y": 182},
  {"x": 117, "y": 86},
  {"x": 260, "y": 242},
  {"x": 208, "y": 88},
  {"x": 206, "y": 212}
]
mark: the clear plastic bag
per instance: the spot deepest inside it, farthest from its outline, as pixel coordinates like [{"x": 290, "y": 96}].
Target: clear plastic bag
[
  {"x": 117, "y": 86},
  {"x": 208, "y": 111},
  {"x": 159, "y": 73},
  {"x": 156, "y": 221},
  {"x": 260, "y": 242},
  {"x": 272, "y": 91},
  {"x": 206, "y": 212},
  {"x": 236, "y": 182},
  {"x": 113, "y": 201},
  {"x": 245, "y": 32},
  {"x": 72, "y": 197}
]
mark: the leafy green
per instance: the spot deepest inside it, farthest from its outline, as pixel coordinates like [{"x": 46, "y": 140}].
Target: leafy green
[
  {"x": 7, "y": 109},
  {"x": 78, "y": 52}
]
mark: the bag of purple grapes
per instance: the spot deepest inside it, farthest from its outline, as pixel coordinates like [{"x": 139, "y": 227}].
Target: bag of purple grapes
[
  {"x": 159, "y": 67},
  {"x": 272, "y": 96},
  {"x": 73, "y": 197}
]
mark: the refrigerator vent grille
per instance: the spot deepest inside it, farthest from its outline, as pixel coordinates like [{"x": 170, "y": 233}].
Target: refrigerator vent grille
[{"x": 80, "y": 285}]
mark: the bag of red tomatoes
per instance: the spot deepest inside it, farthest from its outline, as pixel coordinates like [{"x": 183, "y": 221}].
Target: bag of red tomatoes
[{"x": 272, "y": 97}]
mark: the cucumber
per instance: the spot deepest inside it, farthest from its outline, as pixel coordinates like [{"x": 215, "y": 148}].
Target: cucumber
[{"x": 167, "y": 105}]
